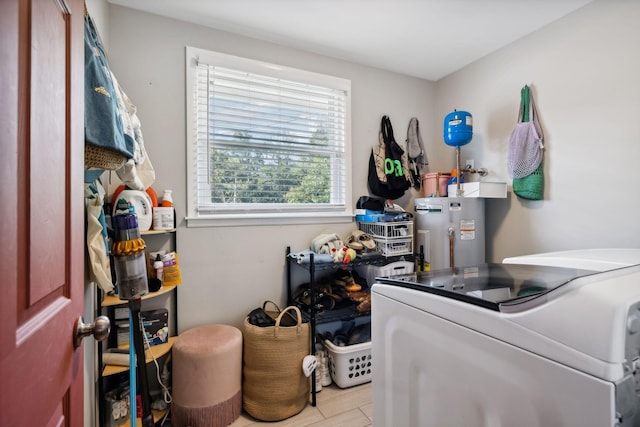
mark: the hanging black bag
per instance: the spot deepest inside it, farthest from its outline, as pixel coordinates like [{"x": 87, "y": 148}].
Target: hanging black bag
[{"x": 387, "y": 176}]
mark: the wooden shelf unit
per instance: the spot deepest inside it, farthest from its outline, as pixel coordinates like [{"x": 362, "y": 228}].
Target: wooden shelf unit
[
  {"x": 154, "y": 352},
  {"x": 112, "y": 300},
  {"x": 110, "y": 303}
]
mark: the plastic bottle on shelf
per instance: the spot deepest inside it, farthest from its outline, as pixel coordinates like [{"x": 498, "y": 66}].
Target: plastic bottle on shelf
[
  {"x": 158, "y": 266},
  {"x": 167, "y": 201},
  {"x": 164, "y": 215},
  {"x": 454, "y": 177}
]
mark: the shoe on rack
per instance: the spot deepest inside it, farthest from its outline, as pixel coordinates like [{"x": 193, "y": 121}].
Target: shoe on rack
[{"x": 323, "y": 369}]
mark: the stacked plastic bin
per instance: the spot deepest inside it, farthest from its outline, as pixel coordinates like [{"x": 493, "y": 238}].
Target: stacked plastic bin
[{"x": 392, "y": 237}]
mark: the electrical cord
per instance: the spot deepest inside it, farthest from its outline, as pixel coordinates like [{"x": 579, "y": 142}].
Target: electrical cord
[{"x": 166, "y": 393}]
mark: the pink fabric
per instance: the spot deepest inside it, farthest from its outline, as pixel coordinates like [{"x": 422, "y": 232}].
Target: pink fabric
[
  {"x": 219, "y": 415},
  {"x": 207, "y": 366}
]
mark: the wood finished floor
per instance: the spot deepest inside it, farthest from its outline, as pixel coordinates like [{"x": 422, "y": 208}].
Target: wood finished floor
[{"x": 349, "y": 407}]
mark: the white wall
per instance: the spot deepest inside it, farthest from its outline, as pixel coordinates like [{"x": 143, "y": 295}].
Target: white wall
[
  {"x": 229, "y": 271},
  {"x": 584, "y": 71},
  {"x": 99, "y": 10}
]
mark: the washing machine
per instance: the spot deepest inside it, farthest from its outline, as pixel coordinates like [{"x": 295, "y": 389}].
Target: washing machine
[{"x": 550, "y": 340}]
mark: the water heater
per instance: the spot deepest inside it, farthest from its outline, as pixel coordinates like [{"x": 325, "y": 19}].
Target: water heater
[{"x": 450, "y": 231}]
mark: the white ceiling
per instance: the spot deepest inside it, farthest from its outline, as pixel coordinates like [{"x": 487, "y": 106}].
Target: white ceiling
[{"x": 422, "y": 38}]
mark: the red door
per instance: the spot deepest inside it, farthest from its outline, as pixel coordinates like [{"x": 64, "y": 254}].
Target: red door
[{"x": 41, "y": 211}]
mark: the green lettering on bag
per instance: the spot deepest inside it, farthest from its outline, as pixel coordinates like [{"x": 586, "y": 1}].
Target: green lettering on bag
[
  {"x": 399, "y": 171},
  {"x": 393, "y": 167},
  {"x": 388, "y": 166}
]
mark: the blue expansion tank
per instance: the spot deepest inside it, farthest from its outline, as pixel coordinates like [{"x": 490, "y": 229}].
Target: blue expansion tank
[{"x": 458, "y": 128}]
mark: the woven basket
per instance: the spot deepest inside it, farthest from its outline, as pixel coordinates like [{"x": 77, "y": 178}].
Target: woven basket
[
  {"x": 274, "y": 386},
  {"x": 288, "y": 317},
  {"x": 102, "y": 158},
  {"x": 531, "y": 187}
]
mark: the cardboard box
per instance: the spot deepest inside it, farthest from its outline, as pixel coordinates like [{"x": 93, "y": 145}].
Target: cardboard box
[
  {"x": 156, "y": 326},
  {"x": 489, "y": 190},
  {"x": 121, "y": 313}
]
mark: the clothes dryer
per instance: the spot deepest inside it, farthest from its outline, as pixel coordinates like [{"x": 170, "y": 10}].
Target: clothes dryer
[{"x": 546, "y": 340}]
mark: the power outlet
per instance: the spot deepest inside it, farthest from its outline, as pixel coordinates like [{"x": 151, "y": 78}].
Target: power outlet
[{"x": 470, "y": 164}]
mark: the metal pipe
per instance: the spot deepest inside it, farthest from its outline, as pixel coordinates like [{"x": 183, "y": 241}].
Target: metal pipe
[
  {"x": 451, "y": 239},
  {"x": 312, "y": 321},
  {"x": 458, "y": 174},
  {"x": 481, "y": 171}
]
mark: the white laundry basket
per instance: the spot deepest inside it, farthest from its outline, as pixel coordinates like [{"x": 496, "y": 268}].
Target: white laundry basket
[
  {"x": 350, "y": 365},
  {"x": 370, "y": 272}
]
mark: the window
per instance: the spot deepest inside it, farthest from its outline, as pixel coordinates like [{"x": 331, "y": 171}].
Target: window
[{"x": 266, "y": 143}]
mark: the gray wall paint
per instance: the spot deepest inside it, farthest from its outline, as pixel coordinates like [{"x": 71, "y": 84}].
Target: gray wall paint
[
  {"x": 229, "y": 271},
  {"x": 583, "y": 71}
]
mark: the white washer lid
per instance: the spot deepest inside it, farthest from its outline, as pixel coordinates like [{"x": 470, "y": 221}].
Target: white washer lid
[{"x": 588, "y": 259}]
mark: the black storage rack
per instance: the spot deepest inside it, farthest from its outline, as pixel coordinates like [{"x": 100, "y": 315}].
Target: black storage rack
[{"x": 312, "y": 316}]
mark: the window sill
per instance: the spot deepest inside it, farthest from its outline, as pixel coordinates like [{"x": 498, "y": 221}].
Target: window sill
[{"x": 268, "y": 219}]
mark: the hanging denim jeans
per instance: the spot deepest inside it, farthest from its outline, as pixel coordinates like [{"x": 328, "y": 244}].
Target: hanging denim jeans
[{"x": 102, "y": 124}]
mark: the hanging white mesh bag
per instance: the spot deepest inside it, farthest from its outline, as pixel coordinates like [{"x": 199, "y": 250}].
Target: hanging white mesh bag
[
  {"x": 525, "y": 149},
  {"x": 525, "y": 145}
]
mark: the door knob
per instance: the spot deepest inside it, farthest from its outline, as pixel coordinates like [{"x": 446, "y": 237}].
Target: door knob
[{"x": 99, "y": 329}]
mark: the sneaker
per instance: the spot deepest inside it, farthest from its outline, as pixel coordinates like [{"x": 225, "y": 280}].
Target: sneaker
[{"x": 323, "y": 368}]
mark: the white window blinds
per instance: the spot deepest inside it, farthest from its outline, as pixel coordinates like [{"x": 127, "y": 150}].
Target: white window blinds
[{"x": 267, "y": 143}]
